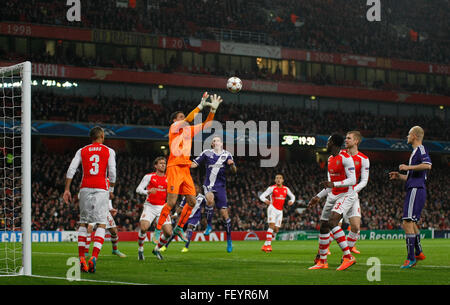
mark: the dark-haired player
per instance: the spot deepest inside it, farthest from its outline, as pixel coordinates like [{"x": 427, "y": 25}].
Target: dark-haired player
[
  {"x": 277, "y": 194},
  {"x": 340, "y": 198},
  {"x": 99, "y": 163},
  {"x": 179, "y": 180},
  {"x": 416, "y": 194}
]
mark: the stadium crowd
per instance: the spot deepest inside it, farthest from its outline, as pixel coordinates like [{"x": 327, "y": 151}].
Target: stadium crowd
[
  {"x": 322, "y": 25},
  {"x": 101, "y": 109},
  {"x": 381, "y": 201}
]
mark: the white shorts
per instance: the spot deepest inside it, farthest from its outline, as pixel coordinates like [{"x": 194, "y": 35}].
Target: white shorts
[
  {"x": 94, "y": 205},
  {"x": 152, "y": 212},
  {"x": 274, "y": 215},
  {"x": 109, "y": 224},
  {"x": 340, "y": 204},
  {"x": 354, "y": 211}
]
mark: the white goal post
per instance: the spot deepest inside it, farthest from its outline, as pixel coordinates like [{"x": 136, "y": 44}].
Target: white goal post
[{"x": 15, "y": 169}]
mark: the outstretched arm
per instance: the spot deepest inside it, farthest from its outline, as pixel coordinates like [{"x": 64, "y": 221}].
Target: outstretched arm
[{"x": 190, "y": 117}]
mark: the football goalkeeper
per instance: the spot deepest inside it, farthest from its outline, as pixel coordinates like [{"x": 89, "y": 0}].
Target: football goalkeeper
[{"x": 179, "y": 180}]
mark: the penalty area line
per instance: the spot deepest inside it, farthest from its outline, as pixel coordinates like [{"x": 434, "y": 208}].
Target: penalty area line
[{"x": 85, "y": 280}]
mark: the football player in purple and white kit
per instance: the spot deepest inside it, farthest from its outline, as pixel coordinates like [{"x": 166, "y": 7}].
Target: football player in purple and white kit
[
  {"x": 214, "y": 187},
  {"x": 416, "y": 194}
]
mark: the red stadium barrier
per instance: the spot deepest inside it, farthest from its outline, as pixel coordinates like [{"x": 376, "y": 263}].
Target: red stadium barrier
[{"x": 198, "y": 236}]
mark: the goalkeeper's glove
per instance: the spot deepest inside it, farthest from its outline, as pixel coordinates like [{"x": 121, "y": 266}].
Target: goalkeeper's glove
[
  {"x": 215, "y": 102},
  {"x": 203, "y": 102}
]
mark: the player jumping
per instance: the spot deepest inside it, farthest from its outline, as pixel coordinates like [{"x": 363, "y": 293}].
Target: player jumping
[
  {"x": 214, "y": 186},
  {"x": 340, "y": 198},
  {"x": 416, "y": 194},
  {"x": 179, "y": 180},
  {"x": 97, "y": 161},
  {"x": 154, "y": 186},
  {"x": 278, "y": 194},
  {"x": 194, "y": 219}
]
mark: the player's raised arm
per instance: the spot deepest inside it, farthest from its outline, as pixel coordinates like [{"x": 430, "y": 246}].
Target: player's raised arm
[
  {"x": 397, "y": 176},
  {"x": 268, "y": 192},
  {"x": 214, "y": 104},
  {"x": 203, "y": 102},
  {"x": 231, "y": 163},
  {"x": 69, "y": 175},
  {"x": 365, "y": 165}
]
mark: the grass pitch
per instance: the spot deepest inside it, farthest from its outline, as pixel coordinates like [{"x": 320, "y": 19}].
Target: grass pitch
[{"x": 208, "y": 263}]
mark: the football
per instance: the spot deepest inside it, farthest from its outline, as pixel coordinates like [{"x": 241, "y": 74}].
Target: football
[{"x": 234, "y": 84}]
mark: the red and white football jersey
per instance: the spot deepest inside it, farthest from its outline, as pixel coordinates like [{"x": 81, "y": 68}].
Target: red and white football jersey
[
  {"x": 277, "y": 196},
  {"x": 150, "y": 181},
  {"x": 98, "y": 162},
  {"x": 362, "y": 166},
  {"x": 341, "y": 171}
]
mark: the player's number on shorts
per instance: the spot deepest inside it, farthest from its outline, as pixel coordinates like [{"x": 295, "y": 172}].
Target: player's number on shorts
[{"x": 94, "y": 159}]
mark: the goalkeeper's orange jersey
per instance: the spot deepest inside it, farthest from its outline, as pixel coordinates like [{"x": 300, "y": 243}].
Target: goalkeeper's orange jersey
[{"x": 180, "y": 141}]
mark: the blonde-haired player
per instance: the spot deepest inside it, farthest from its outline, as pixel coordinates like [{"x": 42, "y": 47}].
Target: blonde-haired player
[{"x": 362, "y": 165}]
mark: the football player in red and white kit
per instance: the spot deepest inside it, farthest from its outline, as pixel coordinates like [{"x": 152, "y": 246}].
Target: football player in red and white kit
[
  {"x": 99, "y": 163},
  {"x": 362, "y": 165},
  {"x": 154, "y": 186},
  {"x": 340, "y": 198},
  {"x": 278, "y": 194},
  {"x": 111, "y": 227}
]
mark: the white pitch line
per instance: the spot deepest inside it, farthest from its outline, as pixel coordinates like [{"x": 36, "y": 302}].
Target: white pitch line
[
  {"x": 306, "y": 262},
  {"x": 87, "y": 280},
  {"x": 246, "y": 260}
]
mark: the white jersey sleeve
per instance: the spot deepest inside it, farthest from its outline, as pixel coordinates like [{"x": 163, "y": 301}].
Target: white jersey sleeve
[
  {"x": 290, "y": 194},
  {"x": 110, "y": 207},
  {"x": 268, "y": 192},
  {"x": 365, "y": 165},
  {"x": 349, "y": 166},
  {"x": 142, "y": 187},
  {"x": 112, "y": 166},
  {"x": 74, "y": 165}
]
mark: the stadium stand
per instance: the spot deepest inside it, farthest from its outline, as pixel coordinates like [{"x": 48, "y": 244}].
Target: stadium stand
[
  {"x": 381, "y": 201},
  {"x": 313, "y": 25},
  {"x": 101, "y": 109}
]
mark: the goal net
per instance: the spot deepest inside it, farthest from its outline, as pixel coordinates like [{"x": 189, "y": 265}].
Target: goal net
[{"x": 15, "y": 169}]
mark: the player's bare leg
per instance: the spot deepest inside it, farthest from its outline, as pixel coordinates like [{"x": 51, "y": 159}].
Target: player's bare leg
[
  {"x": 339, "y": 236},
  {"x": 99, "y": 238},
  {"x": 143, "y": 227},
  {"x": 209, "y": 212},
  {"x": 353, "y": 235},
  {"x": 267, "y": 247},
  {"x": 82, "y": 233},
  {"x": 227, "y": 220},
  {"x": 115, "y": 240}
]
